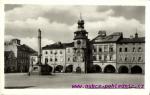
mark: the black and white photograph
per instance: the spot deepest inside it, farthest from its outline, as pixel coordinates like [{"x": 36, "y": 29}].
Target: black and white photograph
[{"x": 74, "y": 46}]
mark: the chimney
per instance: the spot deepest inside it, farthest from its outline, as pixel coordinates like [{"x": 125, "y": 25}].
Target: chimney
[
  {"x": 39, "y": 47},
  {"x": 102, "y": 33}
]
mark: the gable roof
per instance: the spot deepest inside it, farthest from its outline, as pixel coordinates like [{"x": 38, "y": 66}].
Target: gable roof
[
  {"x": 132, "y": 40},
  {"x": 26, "y": 48}
]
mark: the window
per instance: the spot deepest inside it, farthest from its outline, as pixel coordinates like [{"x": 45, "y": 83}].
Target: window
[
  {"x": 94, "y": 49},
  {"x": 46, "y": 60},
  {"x": 68, "y": 50},
  {"x": 51, "y": 59},
  {"x": 46, "y": 52},
  {"x": 56, "y": 60},
  {"x": 111, "y": 57},
  {"x": 55, "y": 52},
  {"x": 111, "y": 49},
  {"x": 125, "y": 59},
  {"x": 68, "y": 59},
  {"x": 126, "y": 49},
  {"x": 120, "y": 49},
  {"x": 133, "y": 49},
  {"x": 51, "y": 52},
  {"x": 94, "y": 58},
  {"x": 120, "y": 59},
  {"x": 139, "y": 59},
  {"x": 74, "y": 59},
  {"x": 139, "y": 49},
  {"x": 133, "y": 59},
  {"x": 78, "y": 42},
  {"x": 105, "y": 48},
  {"x": 100, "y": 58},
  {"x": 100, "y": 49},
  {"x": 60, "y": 52},
  {"x": 105, "y": 57}
]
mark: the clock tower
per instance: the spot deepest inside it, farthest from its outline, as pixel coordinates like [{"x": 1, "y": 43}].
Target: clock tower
[{"x": 80, "y": 48}]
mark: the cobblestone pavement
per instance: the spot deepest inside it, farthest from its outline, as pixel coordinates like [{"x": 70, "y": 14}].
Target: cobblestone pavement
[{"x": 65, "y": 80}]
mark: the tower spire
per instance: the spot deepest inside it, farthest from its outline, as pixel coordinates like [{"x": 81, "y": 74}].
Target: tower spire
[
  {"x": 136, "y": 34},
  {"x": 80, "y": 22},
  {"x": 80, "y": 16}
]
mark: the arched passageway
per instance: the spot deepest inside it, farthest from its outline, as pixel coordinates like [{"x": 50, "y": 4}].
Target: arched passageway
[
  {"x": 46, "y": 69},
  {"x": 123, "y": 69},
  {"x": 96, "y": 69},
  {"x": 69, "y": 69},
  {"x": 58, "y": 68},
  {"x": 109, "y": 69},
  {"x": 136, "y": 70},
  {"x": 78, "y": 70}
]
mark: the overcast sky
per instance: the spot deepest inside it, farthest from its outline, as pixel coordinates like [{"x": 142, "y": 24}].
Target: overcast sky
[{"x": 58, "y": 23}]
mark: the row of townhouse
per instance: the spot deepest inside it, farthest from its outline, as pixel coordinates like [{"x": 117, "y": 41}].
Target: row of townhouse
[{"x": 105, "y": 53}]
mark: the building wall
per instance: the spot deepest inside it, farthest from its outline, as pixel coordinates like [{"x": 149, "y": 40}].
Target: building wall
[
  {"x": 130, "y": 55},
  {"x": 53, "y": 57},
  {"x": 22, "y": 54},
  {"x": 104, "y": 54},
  {"x": 23, "y": 61},
  {"x": 10, "y": 46},
  {"x": 10, "y": 62},
  {"x": 70, "y": 59}
]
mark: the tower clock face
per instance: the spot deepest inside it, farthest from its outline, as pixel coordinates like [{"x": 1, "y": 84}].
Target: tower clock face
[{"x": 78, "y": 42}]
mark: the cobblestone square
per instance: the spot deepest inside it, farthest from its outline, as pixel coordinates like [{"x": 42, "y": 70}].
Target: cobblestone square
[{"x": 66, "y": 80}]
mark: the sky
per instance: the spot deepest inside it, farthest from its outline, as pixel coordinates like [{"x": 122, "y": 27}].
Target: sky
[{"x": 58, "y": 23}]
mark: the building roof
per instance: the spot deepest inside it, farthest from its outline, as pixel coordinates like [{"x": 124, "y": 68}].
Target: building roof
[
  {"x": 26, "y": 48},
  {"x": 108, "y": 39},
  {"x": 132, "y": 40},
  {"x": 58, "y": 46}
]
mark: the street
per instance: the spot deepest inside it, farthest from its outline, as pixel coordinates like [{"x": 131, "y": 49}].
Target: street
[{"x": 66, "y": 80}]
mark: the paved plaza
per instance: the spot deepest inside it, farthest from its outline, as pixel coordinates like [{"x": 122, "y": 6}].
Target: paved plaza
[{"x": 66, "y": 80}]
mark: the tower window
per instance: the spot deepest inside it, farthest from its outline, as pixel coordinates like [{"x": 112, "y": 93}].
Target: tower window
[
  {"x": 126, "y": 50},
  {"x": 78, "y": 42}
]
